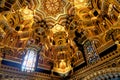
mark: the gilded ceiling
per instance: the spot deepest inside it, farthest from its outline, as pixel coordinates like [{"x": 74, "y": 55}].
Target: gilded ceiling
[{"x": 58, "y": 27}]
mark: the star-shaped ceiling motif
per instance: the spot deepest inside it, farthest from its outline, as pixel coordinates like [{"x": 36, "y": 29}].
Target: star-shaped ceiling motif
[{"x": 53, "y": 7}]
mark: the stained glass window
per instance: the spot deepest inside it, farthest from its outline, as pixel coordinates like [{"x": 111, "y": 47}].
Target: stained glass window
[
  {"x": 29, "y": 60},
  {"x": 90, "y": 52}
]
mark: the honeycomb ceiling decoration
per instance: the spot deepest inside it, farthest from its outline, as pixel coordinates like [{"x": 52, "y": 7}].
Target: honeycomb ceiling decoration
[{"x": 59, "y": 27}]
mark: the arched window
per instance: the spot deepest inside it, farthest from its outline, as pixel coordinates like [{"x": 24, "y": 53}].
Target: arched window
[{"x": 29, "y": 61}]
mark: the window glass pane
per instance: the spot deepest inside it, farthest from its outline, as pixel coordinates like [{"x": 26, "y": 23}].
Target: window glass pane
[
  {"x": 29, "y": 61},
  {"x": 90, "y": 52}
]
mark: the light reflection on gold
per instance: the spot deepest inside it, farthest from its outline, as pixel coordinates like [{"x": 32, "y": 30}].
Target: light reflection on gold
[
  {"x": 26, "y": 17},
  {"x": 79, "y": 3},
  {"x": 58, "y": 28},
  {"x": 64, "y": 67},
  {"x": 62, "y": 64}
]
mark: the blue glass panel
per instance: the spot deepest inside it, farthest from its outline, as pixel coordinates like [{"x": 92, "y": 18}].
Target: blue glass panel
[
  {"x": 115, "y": 78},
  {"x": 90, "y": 52}
]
